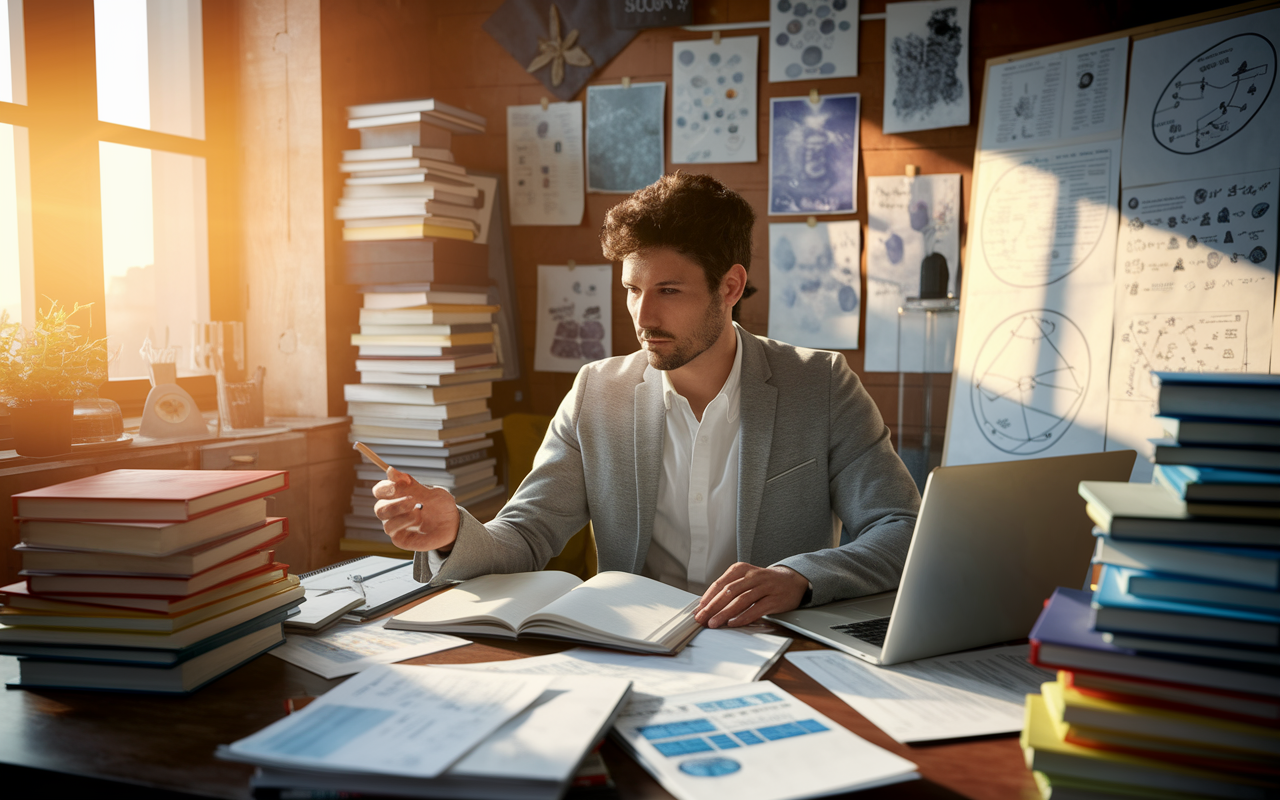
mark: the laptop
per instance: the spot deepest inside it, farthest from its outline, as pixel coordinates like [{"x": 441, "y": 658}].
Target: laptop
[{"x": 992, "y": 541}]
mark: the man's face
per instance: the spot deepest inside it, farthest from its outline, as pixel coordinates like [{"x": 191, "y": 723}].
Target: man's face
[{"x": 676, "y": 317}]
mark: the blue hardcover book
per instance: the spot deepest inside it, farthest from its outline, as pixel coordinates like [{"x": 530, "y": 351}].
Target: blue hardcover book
[
  {"x": 1164, "y": 586},
  {"x": 1225, "y": 395},
  {"x": 1063, "y": 638},
  {"x": 1117, "y": 611},
  {"x": 1247, "y": 566},
  {"x": 1168, "y": 451},
  {"x": 1223, "y": 432}
]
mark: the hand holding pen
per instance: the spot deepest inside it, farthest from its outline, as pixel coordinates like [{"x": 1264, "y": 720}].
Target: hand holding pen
[{"x": 416, "y": 517}]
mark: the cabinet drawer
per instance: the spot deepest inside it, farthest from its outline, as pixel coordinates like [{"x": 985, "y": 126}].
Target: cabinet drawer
[{"x": 280, "y": 451}]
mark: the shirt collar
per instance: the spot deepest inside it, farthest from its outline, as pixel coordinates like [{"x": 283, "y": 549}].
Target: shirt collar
[{"x": 731, "y": 391}]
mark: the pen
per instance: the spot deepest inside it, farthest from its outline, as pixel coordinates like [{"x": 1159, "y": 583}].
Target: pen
[{"x": 378, "y": 462}]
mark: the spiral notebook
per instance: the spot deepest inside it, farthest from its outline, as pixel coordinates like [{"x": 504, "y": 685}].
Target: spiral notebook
[{"x": 384, "y": 583}]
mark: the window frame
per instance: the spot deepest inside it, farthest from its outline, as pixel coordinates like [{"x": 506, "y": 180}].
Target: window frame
[{"x": 63, "y": 131}]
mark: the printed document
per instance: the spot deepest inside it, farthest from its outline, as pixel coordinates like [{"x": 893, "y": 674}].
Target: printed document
[
  {"x": 751, "y": 742},
  {"x": 947, "y": 697},
  {"x": 348, "y": 649},
  {"x": 393, "y": 719}
]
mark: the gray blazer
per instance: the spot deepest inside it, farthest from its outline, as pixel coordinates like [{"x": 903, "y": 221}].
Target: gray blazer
[{"x": 813, "y": 442}]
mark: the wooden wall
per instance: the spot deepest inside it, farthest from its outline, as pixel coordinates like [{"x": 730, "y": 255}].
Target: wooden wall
[{"x": 383, "y": 50}]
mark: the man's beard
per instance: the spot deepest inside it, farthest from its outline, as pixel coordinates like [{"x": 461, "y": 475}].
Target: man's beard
[{"x": 687, "y": 350}]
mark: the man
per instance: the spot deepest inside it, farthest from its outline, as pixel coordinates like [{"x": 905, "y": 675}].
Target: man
[{"x": 710, "y": 459}]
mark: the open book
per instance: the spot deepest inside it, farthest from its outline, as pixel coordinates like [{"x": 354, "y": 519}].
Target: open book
[{"x": 613, "y": 609}]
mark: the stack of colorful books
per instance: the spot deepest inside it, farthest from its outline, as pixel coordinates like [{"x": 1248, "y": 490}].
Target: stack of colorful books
[
  {"x": 427, "y": 357},
  {"x": 146, "y": 580},
  {"x": 402, "y": 183},
  {"x": 1170, "y": 678}
]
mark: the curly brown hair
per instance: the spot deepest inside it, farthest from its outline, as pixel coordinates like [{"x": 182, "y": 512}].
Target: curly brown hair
[{"x": 695, "y": 215}]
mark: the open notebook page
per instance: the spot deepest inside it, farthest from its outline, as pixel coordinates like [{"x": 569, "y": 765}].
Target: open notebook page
[
  {"x": 620, "y": 603},
  {"x": 510, "y": 598}
]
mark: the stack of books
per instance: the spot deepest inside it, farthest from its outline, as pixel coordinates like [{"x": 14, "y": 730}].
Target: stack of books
[
  {"x": 427, "y": 356},
  {"x": 1171, "y": 666},
  {"x": 146, "y": 580},
  {"x": 402, "y": 183}
]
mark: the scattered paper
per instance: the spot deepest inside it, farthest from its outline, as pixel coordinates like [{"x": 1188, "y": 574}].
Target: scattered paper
[
  {"x": 813, "y": 161},
  {"x": 1068, "y": 96},
  {"x": 1195, "y": 288},
  {"x": 815, "y": 278},
  {"x": 575, "y": 317},
  {"x": 926, "y": 75},
  {"x": 383, "y": 579},
  {"x": 948, "y": 697},
  {"x": 1201, "y": 101},
  {"x": 624, "y": 136},
  {"x": 399, "y": 720},
  {"x": 908, "y": 219},
  {"x": 751, "y": 742},
  {"x": 813, "y": 41},
  {"x": 544, "y": 164},
  {"x": 713, "y": 88},
  {"x": 348, "y": 649},
  {"x": 714, "y": 658},
  {"x": 1032, "y": 360}
]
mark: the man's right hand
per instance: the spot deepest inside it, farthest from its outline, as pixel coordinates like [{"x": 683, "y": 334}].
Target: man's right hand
[{"x": 434, "y": 526}]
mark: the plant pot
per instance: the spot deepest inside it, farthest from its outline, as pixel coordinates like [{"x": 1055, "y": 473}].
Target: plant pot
[{"x": 42, "y": 428}]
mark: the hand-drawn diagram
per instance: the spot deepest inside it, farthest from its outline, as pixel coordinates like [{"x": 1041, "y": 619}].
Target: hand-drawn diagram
[
  {"x": 544, "y": 164},
  {"x": 1215, "y": 95},
  {"x": 1045, "y": 216},
  {"x": 713, "y": 85},
  {"x": 928, "y": 74},
  {"x": 813, "y": 161},
  {"x": 1208, "y": 103},
  {"x": 1177, "y": 342},
  {"x": 574, "y": 317},
  {"x": 813, "y": 39},
  {"x": 1030, "y": 381},
  {"x": 814, "y": 281}
]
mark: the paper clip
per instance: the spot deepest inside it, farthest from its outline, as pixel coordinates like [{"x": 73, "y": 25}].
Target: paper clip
[
  {"x": 912, "y": 170},
  {"x": 545, "y": 103},
  {"x": 571, "y": 264},
  {"x": 626, "y": 83},
  {"x": 715, "y": 37},
  {"x": 813, "y": 96},
  {"x": 812, "y": 221}
]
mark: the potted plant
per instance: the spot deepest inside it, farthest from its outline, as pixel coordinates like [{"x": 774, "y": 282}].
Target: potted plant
[{"x": 43, "y": 370}]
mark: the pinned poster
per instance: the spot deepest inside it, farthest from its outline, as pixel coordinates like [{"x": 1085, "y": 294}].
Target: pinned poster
[
  {"x": 574, "y": 317},
  {"x": 544, "y": 164},
  {"x": 813, "y": 40},
  {"x": 813, "y": 161},
  {"x": 713, "y": 87},
  {"x": 624, "y": 136},
  {"x": 814, "y": 280},
  {"x": 926, "y": 77}
]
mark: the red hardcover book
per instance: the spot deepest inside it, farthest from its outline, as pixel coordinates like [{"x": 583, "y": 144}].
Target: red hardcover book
[
  {"x": 148, "y": 495},
  {"x": 70, "y": 585}
]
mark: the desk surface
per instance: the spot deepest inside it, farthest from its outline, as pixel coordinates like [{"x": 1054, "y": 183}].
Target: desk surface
[{"x": 167, "y": 743}]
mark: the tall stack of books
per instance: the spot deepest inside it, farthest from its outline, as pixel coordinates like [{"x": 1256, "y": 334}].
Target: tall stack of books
[
  {"x": 146, "y": 580},
  {"x": 1170, "y": 675},
  {"x": 402, "y": 182},
  {"x": 427, "y": 357}
]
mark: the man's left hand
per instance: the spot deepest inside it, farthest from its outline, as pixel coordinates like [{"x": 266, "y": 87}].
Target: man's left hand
[{"x": 745, "y": 593}]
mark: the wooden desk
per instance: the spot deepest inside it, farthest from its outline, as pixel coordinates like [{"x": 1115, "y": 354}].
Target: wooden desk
[{"x": 63, "y": 743}]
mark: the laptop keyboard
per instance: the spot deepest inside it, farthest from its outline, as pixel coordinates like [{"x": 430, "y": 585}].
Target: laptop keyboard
[{"x": 871, "y": 631}]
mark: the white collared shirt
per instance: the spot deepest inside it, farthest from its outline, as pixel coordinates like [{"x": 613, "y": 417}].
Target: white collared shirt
[{"x": 695, "y": 527}]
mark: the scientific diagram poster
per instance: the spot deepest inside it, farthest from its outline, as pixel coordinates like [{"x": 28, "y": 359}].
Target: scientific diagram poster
[
  {"x": 814, "y": 280},
  {"x": 813, "y": 163},
  {"x": 544, "y": 164},
  {"x": 713, "y": 86},
  {"x": 1031, "y": 376},
  {"x": 908, "y": 219},
  {"x": 624, "y": 136},
  {"x": 574, "y": 317},
  {"x": 1195, "y": 286},
  {"x": 813, "y": 40},
  {"x": 926, "y": 77},
  {"x": 1068, "y": 96},
  {"x": 1201, "y": 102}
]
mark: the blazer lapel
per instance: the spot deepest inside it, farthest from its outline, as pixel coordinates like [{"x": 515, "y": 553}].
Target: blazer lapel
[
  {"x": 650, "y": 422},
  {"x": 758, "y": 405}
]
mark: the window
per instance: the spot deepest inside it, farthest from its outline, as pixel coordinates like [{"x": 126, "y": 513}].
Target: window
[{"x": 105, "y": 165}]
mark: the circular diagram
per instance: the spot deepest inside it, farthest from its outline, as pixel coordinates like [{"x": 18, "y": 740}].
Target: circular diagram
[
  {"x": 1041, "y": 221},
  {"x": 1030, "y": 381},
  {"x": 1215, "y": 95}
]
